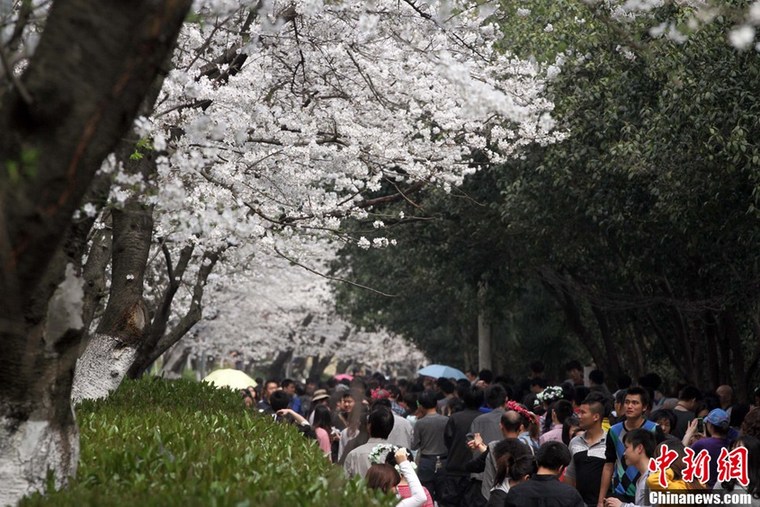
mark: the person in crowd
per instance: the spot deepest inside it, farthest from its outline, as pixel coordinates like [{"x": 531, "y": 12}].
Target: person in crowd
[
  {"x": 249, "y": 397},
  {"x": 717, "y": 426},
  {"x": 409, "y": 403},
  {"x": 379, "y": 426},
  {"x": 343, "y": 410},
  {"x": 639, "y": 449},
  {"x": 514, "y": 465},
  {"x": 485, "y": 378},
  {"x": 752, "y": 444},
  {"x": 544, "y": 487},
  {"x": 355, "y": 435},
  {"x": 323, "y": 428},
  {"x": 574, "y": 371},
  {"x": 725, "y": 395},
  {"x": 618, "y": 414},
  {"x": 279, "y": 405},
  {"x": 289, "y": 386},
  {"x": 560, "y": 411},
  {"x": 511, "y": 425},
  {"x": 457, "y": 483},
  {"x": 536, "y": 372},
  {"x": 666, "y": 419},
  {"x": 448, "y": 389},
  {"x": 570, "y": 428},
  {"x": 588, "y": 451},
  {"x": 596, "y": 383},
  {"x": 623, "y": 477},
  {"x": 488, "y": 424},
  {"x": 403, "y": 430},
  {"x": 394, "y": 395},
  {"x": 537, "y": 386},
  {"x": 264, "y": 405},
  {"x": 685, "y": 410},
  {"x": 386, "y": 478},
  {"x": 546, "y": 399},
  {"x": 428, "y": 441}
]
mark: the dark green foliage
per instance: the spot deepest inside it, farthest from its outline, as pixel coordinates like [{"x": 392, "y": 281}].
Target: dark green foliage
[{"x": 164, "y": 443}]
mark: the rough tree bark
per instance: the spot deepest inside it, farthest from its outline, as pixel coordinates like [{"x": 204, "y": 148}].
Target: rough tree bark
[{"x": 81, "y": 90}]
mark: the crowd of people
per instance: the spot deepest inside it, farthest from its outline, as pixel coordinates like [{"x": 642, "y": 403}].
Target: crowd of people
[{"x": 487, "y": 440}]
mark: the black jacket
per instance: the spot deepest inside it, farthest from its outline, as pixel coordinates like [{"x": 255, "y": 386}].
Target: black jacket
[{"x": 544, "y": 491}]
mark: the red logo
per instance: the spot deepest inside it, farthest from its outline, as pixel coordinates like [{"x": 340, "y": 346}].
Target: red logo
[
  {"x": 661, "y": 463},
  {"x": 733, "y": 465},
  {"x": 697, "y": 467}
]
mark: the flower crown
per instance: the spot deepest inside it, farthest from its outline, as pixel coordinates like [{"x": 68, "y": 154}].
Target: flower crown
[
  {"x": 379, "y": 454},
  {"x": 551, "y": 393},
  {"x": 520, "y": 409}
]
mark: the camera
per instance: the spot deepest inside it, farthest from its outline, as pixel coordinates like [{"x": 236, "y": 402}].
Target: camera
[
  {"x": 469, "y": 437},
  {"x": 700, "y": 425}
]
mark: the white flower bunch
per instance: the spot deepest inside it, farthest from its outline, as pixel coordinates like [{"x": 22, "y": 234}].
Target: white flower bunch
[
  {"x": 551, "y": 393},
  {"x": 379, "y": 454}
]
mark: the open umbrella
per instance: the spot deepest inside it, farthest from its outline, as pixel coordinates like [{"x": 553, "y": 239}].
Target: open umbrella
[
  {"x": 441, "y": 370},
  {"x": 228, "y": 377},
  {"x": 344, "y": 376}
]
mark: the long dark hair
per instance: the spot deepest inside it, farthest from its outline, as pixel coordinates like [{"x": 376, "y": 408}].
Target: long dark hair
[
  {"x": 322, "y": 418},
  {"x": 513, "y": 460},
  {"x": 753, "y": 465}
]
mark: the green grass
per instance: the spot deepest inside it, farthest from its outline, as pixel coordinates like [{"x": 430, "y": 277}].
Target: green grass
[{"x": 166, "y": 443}]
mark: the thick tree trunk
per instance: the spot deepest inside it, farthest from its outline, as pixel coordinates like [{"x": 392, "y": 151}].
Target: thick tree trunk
[
  {"x": 92, "y": 67},
  {"x": 277, "y": 368},
  {"x": 113, "y": 348}
]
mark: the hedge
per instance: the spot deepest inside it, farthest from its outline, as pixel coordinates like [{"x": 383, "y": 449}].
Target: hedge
[{"x": 183, "y": 443}]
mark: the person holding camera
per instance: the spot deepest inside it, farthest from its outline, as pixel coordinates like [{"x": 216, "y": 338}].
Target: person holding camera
[{"x": 387, "y": 474}]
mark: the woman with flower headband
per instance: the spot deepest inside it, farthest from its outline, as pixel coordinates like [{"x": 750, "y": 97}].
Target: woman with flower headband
[
  {"x": 391, "y": 471},
  {"x": 547, "y": 398}
]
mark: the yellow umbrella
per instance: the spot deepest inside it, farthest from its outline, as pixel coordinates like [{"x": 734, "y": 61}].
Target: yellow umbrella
[{"x": 228, "y": 377}]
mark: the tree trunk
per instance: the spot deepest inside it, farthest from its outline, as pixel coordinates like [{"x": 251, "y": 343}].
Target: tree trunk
[
  {"x": 81, "y": 90},
  {"x": 277, "y": 367},
  {"x": 319, "y": 365},
  {"x": 484, "y": 342},
  {"x": 113, "y": 348}
]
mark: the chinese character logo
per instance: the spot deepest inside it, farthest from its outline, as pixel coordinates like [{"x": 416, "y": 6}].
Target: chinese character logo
[
  {"x": 733, "y": 465},
  {"x": 697, "y": 466},
  {"x": 662, "y": 462}
]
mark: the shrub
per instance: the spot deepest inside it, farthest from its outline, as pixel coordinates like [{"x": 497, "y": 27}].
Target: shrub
[{"x": 158, "y": 442}]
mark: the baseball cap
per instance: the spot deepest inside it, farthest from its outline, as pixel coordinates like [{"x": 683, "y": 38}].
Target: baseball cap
[{"x": 718, "y": 417}]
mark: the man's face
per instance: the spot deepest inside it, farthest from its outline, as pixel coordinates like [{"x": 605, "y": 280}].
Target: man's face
[
  {"x": 586, "y": 418},
  {"x": 632, "y": 454},
  {"x": 290, "y": 389},
  {"x": 270, "y": 388},
  {"x": 633, "y": 406},
  {"x": 576, "y": 375},
  {"x": 346, "y": 404}
]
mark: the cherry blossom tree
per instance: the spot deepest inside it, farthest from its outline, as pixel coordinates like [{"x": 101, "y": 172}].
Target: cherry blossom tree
[
  {"x": 272, "y": 120},
  {"x": 287, "y": 312},
  {"x": 280, "y": 119},
  {"x": 71, "y": 83}
]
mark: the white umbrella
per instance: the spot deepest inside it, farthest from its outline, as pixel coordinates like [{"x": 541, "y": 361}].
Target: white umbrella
[{"x": 228, "y": 377}]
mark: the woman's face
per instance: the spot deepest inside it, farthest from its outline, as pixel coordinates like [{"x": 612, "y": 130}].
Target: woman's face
[{"x": 665, "y": 425}]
